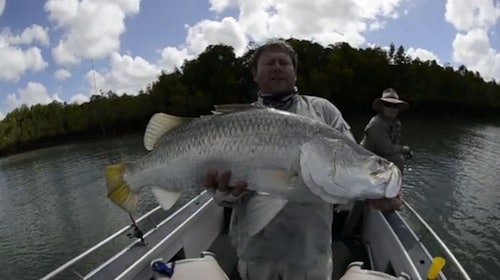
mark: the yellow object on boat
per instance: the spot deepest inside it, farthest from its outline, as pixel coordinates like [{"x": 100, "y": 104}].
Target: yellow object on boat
[{"x": 436, "y": 267}]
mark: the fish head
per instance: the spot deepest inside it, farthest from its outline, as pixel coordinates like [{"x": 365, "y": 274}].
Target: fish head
[
  {"x": 380, "y": 173},
  {"x": 347, "y": 170}
]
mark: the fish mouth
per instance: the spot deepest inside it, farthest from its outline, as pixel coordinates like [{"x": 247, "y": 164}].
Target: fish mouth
[
  {"x": 377, "y": 174},
  {"x": 393, "y": 185},
  {"x": 382, "y": 173},
  {"x": 390, "y": 177}
]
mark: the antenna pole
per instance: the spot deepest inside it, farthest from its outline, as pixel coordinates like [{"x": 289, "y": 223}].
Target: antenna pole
[{"x": 93, "y": 76}]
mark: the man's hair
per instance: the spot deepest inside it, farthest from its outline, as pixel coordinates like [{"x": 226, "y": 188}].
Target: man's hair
[{"x": 274, "y": 45}]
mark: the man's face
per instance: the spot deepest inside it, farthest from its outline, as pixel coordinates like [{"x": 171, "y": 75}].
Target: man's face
[
  {"x": 275, "y": 72},
  {"x": 391, "y": 110}
]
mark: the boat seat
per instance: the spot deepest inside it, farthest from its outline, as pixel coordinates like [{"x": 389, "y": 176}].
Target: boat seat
[
  {"x": 206, "y": 267},
  {"x": 355, "y": 272}
]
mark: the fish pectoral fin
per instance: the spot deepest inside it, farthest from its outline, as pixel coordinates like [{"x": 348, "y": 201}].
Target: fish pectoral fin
[
  {"x": 165, "y": 198},
  {"x": 118, "y": 190},
  {"x": 159, "y": 124},
  {"x": 260, "y": 210},
  {"x": 269, "y": 180}
]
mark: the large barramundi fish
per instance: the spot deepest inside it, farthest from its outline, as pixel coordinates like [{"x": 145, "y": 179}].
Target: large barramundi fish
[{"x": 282, "y": 156}]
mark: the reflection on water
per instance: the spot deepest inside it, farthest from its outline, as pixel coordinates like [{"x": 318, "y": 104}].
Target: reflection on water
[
  {"x": 53, "y": 203},
  {"x": 452, "y": 182}
]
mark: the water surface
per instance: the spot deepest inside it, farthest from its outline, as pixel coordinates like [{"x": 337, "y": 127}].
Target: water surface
[{"x": 53, "y": 203}]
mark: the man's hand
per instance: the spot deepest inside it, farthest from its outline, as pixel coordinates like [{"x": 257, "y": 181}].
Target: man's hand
[
  {"x": 387, "y": 204},
  {"x": 220, "y": 187},
  {"x": 407, "y": 152}
]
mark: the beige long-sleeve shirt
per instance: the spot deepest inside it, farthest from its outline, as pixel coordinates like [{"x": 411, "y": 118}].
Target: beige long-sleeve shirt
[
  {"x": 382, "y": 137},
  {"x": 301, "y": 232}
]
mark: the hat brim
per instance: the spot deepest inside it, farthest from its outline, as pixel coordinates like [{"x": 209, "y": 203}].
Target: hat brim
[{"x": 379, "y": 103}]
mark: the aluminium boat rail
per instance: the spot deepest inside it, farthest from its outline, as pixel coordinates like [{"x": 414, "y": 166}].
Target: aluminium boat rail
[
  {"x": 202, "y": 197},
  {"x": 141, "y": 221},
  {"x": 440, "y": 242}
]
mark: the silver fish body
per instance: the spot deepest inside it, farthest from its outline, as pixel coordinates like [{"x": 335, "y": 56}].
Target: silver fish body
[
  {"x": 284, "y": 155},
  {"x": 243, "y": 141}
]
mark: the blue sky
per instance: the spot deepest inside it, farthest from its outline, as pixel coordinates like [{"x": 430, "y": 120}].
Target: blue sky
[{"x": 47, "y": 47}]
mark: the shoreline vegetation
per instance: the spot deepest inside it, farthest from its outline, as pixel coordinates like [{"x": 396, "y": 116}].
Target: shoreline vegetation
[{"x": 349, "y": 77}]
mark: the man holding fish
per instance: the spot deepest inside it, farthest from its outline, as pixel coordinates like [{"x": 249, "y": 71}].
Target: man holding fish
[
  {"x": 296, "y": 244},
  {"x": 280, "y": 165}
]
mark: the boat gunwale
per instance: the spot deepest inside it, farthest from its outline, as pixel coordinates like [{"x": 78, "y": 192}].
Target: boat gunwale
[
  {"x": 118, "y": 233},
  {"x": 197, "y": 199},
  {"x": 390, "y": 228},
  {"x": 435, "y": 236},
  {"x": 124, "y": 274}
]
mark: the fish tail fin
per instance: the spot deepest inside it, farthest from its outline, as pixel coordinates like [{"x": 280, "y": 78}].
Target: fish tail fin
[{"x": 118, "y": 190}]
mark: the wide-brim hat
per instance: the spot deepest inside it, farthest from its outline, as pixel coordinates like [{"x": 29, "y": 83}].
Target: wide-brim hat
[{"x": 389, "y": 96}]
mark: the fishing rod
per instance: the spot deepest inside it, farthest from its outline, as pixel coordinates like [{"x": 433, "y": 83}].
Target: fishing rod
[{"x": 138, "y": 233}]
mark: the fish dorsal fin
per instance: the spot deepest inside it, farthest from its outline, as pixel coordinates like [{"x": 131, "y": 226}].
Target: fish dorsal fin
[
  {"x": 158, "y": 125},
  {"x": 228, "y": 108}
]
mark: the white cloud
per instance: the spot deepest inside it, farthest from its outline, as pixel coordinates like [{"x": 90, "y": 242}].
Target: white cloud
[
  {"x": 322, "y": 21},
  {"x": 472, "y": 48},
  {"x": 318, "y": 19},
  {"x": 474, "y": 51},
  {"x": 466, "y": 15},
  {"x": 91, "y": 28},
  {"x": 172, "y": 58},
  {"x": 14, "y": 61},
  {"x": 374, "y": 26},
  {"x": 219, "y": 5},
  {"x": 2, "y": 116},
  {"x": 79, "y": 99},
  {"x": 422, "y": 54},
  {"x": 127, "y": 75},
  {"x": 62, "y": 74},
  {"x": 34, "y": 93},
  {"x": 31, "y": 34},
  {"x": 209, "y": 32}
]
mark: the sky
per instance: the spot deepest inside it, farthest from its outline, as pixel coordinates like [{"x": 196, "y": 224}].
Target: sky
[{"x": 48, "y": 49}]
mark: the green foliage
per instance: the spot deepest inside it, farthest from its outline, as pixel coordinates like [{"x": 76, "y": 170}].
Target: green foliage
[{"x": 351, "y": 78}]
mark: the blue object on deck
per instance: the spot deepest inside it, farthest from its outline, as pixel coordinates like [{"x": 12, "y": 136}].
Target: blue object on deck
[{"x": 163, "y": 268}]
